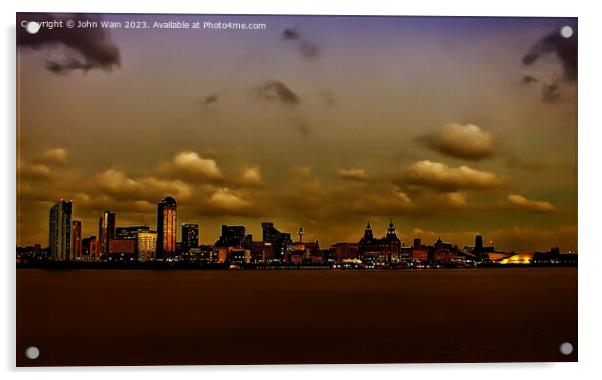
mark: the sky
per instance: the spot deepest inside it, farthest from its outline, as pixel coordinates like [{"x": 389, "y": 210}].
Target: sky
[{"x": 448, "y": 126}]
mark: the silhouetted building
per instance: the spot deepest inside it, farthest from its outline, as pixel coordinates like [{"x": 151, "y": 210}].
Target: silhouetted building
[
  {"x": 444, "y": 252},
  {"x": 166, "y": 228},
  {"x": 59, "y": 230},
  {"x": 106, "y": 231},
  {"x": 76, "y": 239},
  {"x": 90, "y": 248},
  {"x": 190, "y": 236},
  {"x": 384, "y": 250},
  {"x": 478, "y": 247},
  {"x": 281, "y": 242},
  {"x": 232, "y": 236},
  {"x": 344, "y": 251}
]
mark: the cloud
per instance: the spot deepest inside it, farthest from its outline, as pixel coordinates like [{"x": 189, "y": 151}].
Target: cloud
[
  {"x": 306, "y": 48},
  {"x": 352, "y": 174},
  {"x": 93, "y": 45},
  {"x": 440, "y": 176},
  {"x": 528, "y": 79},
  {"x": 303, "y": 127},
  {"x": 251, "y": 177},
  {"x": 550, "y": 93},
  {"x": 454, "y": 200},
  {"x": 466, "y": 141},
  {"x": 290, "y": 34},
  {"x": 227, "y": 199},
  {"x": 564, "y": 48},
  {"x": 119, "y": 185},
  {"x": 519, "y": 202},
  {"x": 54, "y": 156},
  {"x": 193, "y": 167},
  {"x": 33, "y": 171},
  {"x": 276, "y": 91}
]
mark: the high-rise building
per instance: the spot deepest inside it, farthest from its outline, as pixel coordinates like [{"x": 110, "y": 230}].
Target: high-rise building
[
  {"x": 190, "y": 236},
  {"x": 166, "y": 228},
  {"x": 280, "y": 241},
  {"x": 59, "y": 231},
  {"x": 76, "y": 240},
  {"x": 232, "y": 236},
  {"x": 106, "y": 231},
  {"x": 90, "y": 248},
  {"x": 146, "y": 245},
  {"x": 478, "y": 246}
]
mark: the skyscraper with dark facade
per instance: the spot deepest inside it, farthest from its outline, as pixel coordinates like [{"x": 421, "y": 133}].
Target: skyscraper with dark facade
[
  {"x": 280, "y": 241},
  {"x": 59, "y": 231},
  {"x": 232, "y": 236},
  {"x": 76, "y": 239},
  {"x": 90, "y": 248},
  {"x": 106, "y": 231},
  {"x": 478, "y": 246},
  {"x": 166, "y": 228},
  {"x": 190, "y": 236}
]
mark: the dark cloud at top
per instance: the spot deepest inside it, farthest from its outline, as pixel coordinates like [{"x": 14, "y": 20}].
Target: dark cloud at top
[
  {"x": 93, "y": 44},
  {"x": 307, "y": 48},
  {"x": 564, "y": 48},
  {"x": 290, "y": 34},
  {"x": 278, "y": 92}
]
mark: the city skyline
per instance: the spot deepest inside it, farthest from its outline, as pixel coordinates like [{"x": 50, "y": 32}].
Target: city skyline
[
  {"x": 306, "y": 124},
  {"x": 189, "y": 233}
]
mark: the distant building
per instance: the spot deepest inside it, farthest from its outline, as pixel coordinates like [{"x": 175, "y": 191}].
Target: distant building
[
  {"x": 130, "y": 232},
  {"x": 190, "y": 236},
  {"x": 146, "y": 245},
  {"x": 383, "y": 250},
  {"x": 344, "y": 251},
  {"x": 122, "y": 249},
  {"x": 444, "y": 252},
  {"x": 76, "y": 239},
  {"x": 234, "y": 236},
  {"x": 166, "y": 228},
  {"x": 106, "y": 231},
  {"x": 59, "y": 230},
  {"x": 281, "y": 242},
  {"x": 90, "y": 248}
]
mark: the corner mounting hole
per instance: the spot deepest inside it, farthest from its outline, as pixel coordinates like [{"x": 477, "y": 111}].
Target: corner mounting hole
[
  {"x": 566, "y": 31},
  {"x": 32, "y": 352},
  {"x": 566, "y": 348}
]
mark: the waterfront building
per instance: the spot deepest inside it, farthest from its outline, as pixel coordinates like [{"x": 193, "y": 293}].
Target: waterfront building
[
  {"x": 106, "y": 231},
  {"x": 76, "y": 240},
  {"x": 59, "y": 230},
  {"x": 166, "y": 228},
  {"x": 190, "y": 236}
]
